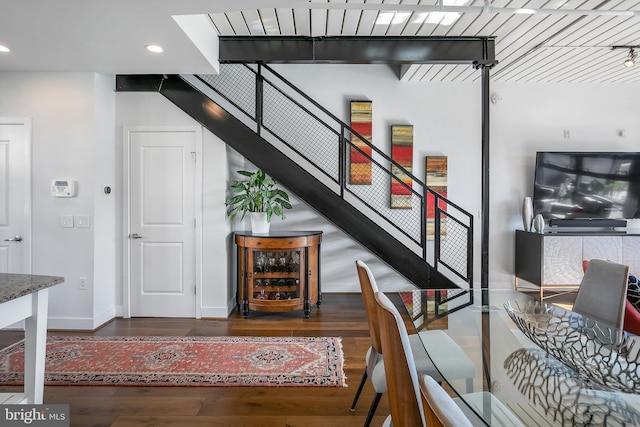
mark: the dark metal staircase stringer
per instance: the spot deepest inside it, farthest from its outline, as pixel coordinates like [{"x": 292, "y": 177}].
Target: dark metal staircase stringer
[{"x": 261, "y": 153}]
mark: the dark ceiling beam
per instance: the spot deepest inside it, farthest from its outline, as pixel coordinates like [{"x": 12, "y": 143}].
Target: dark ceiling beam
[
  {"x": 139, "y": 83},
  {"x": 357, "y": 50}
]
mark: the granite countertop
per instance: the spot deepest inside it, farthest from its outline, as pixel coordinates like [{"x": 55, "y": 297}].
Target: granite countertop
[{"x": 14, "y": 286}]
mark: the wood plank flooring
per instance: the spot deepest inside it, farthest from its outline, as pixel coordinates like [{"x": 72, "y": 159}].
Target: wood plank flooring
[{"x": 339, "y": 315}]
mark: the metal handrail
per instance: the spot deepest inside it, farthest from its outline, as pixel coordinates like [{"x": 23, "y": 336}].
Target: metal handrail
[{"x": 341, "y": 131}]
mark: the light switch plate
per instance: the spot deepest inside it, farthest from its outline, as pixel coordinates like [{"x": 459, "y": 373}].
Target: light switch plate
[
  {"x": 66, "y": 221},
  {"x": 83, "y": 221}
]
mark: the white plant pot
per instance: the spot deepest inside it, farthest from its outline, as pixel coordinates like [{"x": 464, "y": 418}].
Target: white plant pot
[{"x": 259, "y": 224}]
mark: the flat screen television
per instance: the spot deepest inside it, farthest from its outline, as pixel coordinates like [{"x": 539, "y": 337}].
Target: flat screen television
[{"x": 574, "y": 188}]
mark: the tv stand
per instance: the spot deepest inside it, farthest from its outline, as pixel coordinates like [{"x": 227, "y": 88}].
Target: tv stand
[
  {"x": 601, "y": 223},
  {"x": 582, "y": 231},
  {"x": 553, "y": 260}
]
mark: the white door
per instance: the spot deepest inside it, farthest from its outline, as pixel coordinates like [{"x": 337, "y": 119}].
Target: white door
[
  {"x": 162, "y": 222},
  {"x": 15, "y": 196}
]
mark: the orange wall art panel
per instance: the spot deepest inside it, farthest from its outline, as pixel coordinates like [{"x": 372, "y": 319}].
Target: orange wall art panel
[
  {"x": 436, "y": 179},
  {"x": 401, "y": 153},
  {"x": 360, "y": 157}
]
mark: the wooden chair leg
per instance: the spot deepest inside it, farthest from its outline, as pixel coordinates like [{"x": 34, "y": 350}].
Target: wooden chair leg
[
  {"x": 372, "y": 409},
  {"x": 357, "y": 396}
]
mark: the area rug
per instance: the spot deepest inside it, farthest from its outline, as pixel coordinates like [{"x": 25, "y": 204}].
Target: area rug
[{"x": 184, "y": 361}]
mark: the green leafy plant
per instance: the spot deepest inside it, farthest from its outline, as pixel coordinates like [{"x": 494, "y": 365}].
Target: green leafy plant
[{"x": 257, "y": 194}]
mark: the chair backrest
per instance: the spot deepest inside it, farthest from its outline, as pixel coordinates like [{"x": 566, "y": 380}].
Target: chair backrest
[
  {"x": 440, "y": 410},
  {"x": 369, "y": 289},
  {"x": 603, "y": 292},
  {"x": 403, "y": 389}
]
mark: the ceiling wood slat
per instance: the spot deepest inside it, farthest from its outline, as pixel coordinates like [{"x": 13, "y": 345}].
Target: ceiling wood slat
[
  {"x": 239, "y": 25},
  {"x": 302, "y": 21},
  {"x": 569, "y": 47},
  {"x": 254, "y": 23},
  {"x": 270, "y": 22},
  {"x": 351, "y": 21},
  {"x": 286, "y": 22},
  {"x": 335, "y": 20},
  {"x": 221, "y": 23}
]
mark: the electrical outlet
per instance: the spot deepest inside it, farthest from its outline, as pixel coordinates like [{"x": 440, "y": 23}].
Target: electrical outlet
[{"x": 82, "y": 283}]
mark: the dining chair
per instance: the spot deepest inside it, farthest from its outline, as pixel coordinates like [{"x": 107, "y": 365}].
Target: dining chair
[
  {"x": 374, "y": 369},
  {"x": 405, "y": 401},
  {"x": 403, "y": 383},
  {"x": 440, "y": 409},
  {"x": 603, "y": 292}
]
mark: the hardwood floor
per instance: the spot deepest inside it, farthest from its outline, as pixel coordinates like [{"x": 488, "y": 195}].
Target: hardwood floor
[{"x": 340, "y": 315}]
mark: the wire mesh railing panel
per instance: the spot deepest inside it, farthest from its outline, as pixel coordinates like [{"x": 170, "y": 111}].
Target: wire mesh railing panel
[
  {"x": 453, "y": 244},
  {"x": 301, "y": 131},
  {"x": 368, "y": 176},
  {"x": 372, "y": 184},
  {"x": 237, "y": 83}
]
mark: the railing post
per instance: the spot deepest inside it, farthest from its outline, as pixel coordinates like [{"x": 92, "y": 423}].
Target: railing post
[
  {"x": 264, "y": 78},
  {"x": 470, "y": 255},
  {"x": 259, "y": 99},
  {"x": 436, "y": 230},
  {"x": 342, "y": 159},
  {"x": 423, "y": 222}
]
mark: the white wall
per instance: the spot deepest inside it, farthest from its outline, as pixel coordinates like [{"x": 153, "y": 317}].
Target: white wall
[
  {"x": 106, "y": 263},
  {"x": 446, "y": 119},
  {"x": 152, "y": 109},
  {"x": 77, "y": 134},
  {"x": 532, "y": 118},
  {"x": 65, "y": 141}
]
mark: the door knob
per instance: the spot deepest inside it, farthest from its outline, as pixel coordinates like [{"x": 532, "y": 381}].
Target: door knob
[
  {"x": 135, "y": 236},
  {"x": 14, "y": 239}
]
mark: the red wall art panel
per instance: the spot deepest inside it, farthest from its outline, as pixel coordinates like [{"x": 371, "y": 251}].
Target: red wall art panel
[
  {"x": 402, "y": 153},
  {"x": 436, "y": 178},
  {"x": 360, "y": 161}
]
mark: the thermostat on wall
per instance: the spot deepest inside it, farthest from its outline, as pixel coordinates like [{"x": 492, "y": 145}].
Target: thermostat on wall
[{"x": 63, "y": 188}]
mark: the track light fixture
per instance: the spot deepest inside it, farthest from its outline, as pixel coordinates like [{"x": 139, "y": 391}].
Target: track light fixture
[{"x": 630, "y": 60}]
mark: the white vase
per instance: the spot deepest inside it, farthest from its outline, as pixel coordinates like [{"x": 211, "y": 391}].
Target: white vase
[
  {"x": 527, "y": 213},
  {"x": 538, "y": 223},
  {"x": 259, "y": 223}
]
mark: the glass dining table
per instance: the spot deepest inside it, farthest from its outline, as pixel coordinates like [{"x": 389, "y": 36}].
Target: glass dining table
[{"x": 523, "y": 381}]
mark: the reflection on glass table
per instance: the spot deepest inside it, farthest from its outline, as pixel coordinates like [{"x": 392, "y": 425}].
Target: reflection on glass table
[{"x": 517, "y": 381}]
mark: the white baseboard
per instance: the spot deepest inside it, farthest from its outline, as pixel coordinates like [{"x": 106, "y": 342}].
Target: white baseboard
[
  {"x": 81, "y": 323},
  {"x": 217, "y": 312},
  {"x": 70, "y": 323}
]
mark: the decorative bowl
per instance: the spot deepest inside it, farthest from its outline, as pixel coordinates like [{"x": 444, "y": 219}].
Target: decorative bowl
[{"x": 602, "y": 355}]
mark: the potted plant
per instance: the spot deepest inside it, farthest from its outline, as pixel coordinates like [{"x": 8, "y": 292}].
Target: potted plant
[{"x": 260, "y": 197}]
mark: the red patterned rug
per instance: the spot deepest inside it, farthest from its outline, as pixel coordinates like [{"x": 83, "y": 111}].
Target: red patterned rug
[{"x": 184, "y": 361}]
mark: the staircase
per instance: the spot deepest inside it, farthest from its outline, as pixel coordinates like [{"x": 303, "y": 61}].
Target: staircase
[{"x": 306, "y": 148}]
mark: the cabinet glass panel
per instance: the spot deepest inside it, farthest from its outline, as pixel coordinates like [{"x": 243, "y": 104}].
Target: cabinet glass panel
[{"x": 276, "y": 275}]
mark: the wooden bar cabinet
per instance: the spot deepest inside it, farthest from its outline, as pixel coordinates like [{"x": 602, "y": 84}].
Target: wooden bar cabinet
[{"x": 278, "y": 271}]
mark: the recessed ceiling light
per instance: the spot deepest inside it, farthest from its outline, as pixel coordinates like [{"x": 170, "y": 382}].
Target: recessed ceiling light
[
  {"x": 4, "y": 49},
  {"x": 154, "y": 48}
]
